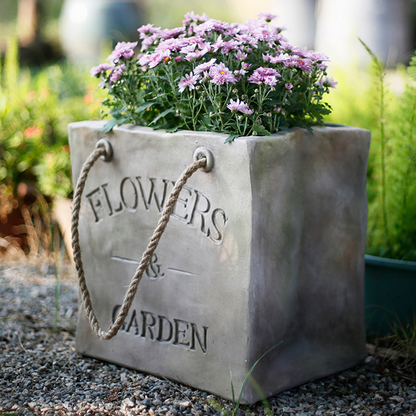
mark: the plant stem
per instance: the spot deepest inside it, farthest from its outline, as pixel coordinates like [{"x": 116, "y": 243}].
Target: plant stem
[{"x": 383, "y": 154}]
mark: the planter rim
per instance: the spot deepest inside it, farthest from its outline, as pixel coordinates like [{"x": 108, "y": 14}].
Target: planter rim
[
  {"x": 327, "y": 127},
  {"x": 391, "y": 263}
]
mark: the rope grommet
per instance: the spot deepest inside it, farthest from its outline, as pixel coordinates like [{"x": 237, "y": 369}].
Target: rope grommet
[
  {"x": 201, "y": 153},
  {"x": 106, "y": 145}
]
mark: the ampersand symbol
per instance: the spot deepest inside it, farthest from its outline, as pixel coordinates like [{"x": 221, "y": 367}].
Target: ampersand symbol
[{"x": 153, "y": 269}]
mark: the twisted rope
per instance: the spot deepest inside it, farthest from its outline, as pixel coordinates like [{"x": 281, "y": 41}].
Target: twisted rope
[{"x": 147, "y": 255}]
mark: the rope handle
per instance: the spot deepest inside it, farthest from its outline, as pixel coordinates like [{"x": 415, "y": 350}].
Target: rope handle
[{"x": 202, "y": 160}]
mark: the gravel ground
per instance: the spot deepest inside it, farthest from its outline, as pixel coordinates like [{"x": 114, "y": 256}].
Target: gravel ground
[{"x": 41, "y": 374}]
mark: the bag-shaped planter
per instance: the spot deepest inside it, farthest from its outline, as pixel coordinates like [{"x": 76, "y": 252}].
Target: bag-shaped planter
[{"x": 266, "y": 247}]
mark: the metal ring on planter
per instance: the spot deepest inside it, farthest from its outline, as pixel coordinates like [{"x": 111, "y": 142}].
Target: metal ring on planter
[
  {"x": 106, "y": 145},
  {"x": 201, "y": 153}
]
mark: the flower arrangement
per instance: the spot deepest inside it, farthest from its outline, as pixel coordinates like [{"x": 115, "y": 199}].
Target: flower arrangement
[{"x": 208, "y": 75}]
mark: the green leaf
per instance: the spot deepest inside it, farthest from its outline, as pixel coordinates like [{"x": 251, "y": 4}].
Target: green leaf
[
  {"x": 231, "y": 137},
  {"x": 258, "y": 128},
  {"x": 166, "y": 112},
  {"x": 174, "y": 129},
  {"x": 112, "y": 123},
  {"x": 284, "y": 128},
  {"x": 140, "y": 94},
  {"x": 143, "y": 107},
  {"x": 249, "y": 373},
  {"x": 117, "y": 112}
]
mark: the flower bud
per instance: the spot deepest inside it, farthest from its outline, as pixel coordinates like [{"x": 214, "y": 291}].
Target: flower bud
[{"x": 235, "y": 90}]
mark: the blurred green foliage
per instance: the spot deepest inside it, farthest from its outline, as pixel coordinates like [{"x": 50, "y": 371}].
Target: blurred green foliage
[
  {"x": 8, "y": 9},
  {"x": 35, "y": 111},
  {"x": 365, "y": 99}
]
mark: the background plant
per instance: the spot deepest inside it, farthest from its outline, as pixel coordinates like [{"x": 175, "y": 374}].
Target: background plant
[
  {"x": 35, "y": 110},
  {"x": 368, "y": 102},
  {"x": 209, "y": 75},
  {"x": 34, "y": 114}
]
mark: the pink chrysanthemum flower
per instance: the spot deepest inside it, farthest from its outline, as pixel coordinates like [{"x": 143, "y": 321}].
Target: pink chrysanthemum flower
[
  {"x": 240, "y": 72},
  {"x": 155, "y": 58},
  {"x": 303, "y": 64},
  {"x": 122, "y": 49},
  {"x": 116, "y": 73},
  {"x": 147, "y": 30},
  {"x": 327, "y": 82},
  {"x": 265, "y": 34},
  {"x": 260, "y": 74},
  {"x": 199, "y": 53},
  {"x": 268, "y": 17},
  {"x": 283, "y": 57},
  {"x": 229, "y": 46},
  {"x": 239, "y": 106},
  {"x": 219, "y": 26},
  {"x": 220, "y": 74},
  {"x": 288, "y": 86},
  {"x": 217, "y": 44},
  {"x": 270, "y": 80},
  {"x": 97, "y": 70},
  {"x": 173, "y": 45},
  {"x": 316, "y": 56},
  {"x": 188, "y": 49},
  {"x": 249, "y": 25},
  {"x": 189, "y": 80},
  {"x": 148, "y": 42},
  {"x": 285, "y": 46},
  {"x": 192, "y": 17},
  {"x": 204, "y": 67},
  {"x": 171, "y": 33},
  {"x": 248, "y": 40}
]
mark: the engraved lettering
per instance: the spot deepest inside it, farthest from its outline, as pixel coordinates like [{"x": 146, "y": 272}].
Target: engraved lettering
[
  {"x": 198, "y": 210},
  {"x": 218, "y": 238},
  {"x": 152, "y": 194},
  {"x": 148, "y": 326},
  {"x": 153, "y": 269},
  {"x": 181, "y": 334},
  {"x": 165, "y": 330},
  {"x": 133, "y": 322},
  {"x": 184, "y": 202},
  {"x": 195, "y": 333},
  {"x": 114, "y": 316},
  {"x": 120, "y": 207},
  {"x": 193, "y": 208},
  {"x": 162, "y": 326},
  {"x": 133, "y": 206},
  {"x": 98, "y": 203}
]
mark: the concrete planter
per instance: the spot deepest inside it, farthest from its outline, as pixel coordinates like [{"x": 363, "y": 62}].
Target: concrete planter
[
  {"x": 267, "y": 247},
  {"x": 390, "y": 294}
]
